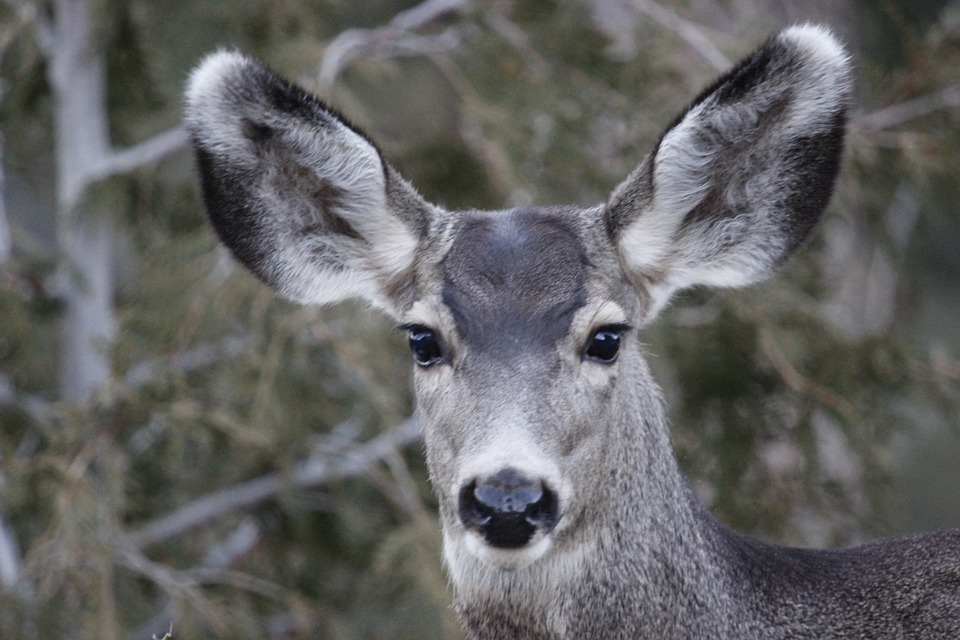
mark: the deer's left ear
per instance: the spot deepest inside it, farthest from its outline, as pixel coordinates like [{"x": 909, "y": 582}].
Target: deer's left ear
[
  {"x": 302, "y": 198},
  {"x": 739, "y": 180}
]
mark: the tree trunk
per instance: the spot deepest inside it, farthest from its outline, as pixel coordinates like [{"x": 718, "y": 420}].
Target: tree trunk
[{"x": 85, "y": 237}]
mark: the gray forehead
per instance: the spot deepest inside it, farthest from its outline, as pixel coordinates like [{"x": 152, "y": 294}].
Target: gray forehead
[{"x": 514, "y": 279}]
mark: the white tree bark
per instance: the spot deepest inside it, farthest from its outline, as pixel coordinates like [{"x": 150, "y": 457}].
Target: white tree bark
[
  {"x": 85, "y": 236},
  {"x": 78, "y": 80},
  {"x": 6, "y": 240}
]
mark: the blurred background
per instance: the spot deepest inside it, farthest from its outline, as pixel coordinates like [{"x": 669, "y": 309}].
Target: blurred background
[{"x": 180, "y": 450}]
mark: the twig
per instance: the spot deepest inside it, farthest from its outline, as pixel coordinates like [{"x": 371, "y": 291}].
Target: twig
[
  {"x": 37, "y": 408},
  {"x": 141, "y": 154},
  {"x": 27, "y": 13},
  {"x": 944, "y": 367},
  {"x": 171, "y": 581},
  {"x": 394, "y": 39},
  {"x": 237, "y": 580},
  {"x": 184, "y": 362},
  {"x": 238, "y": 543},
  {"x": 690, "y": 32},
  {"x": 9, "y": 556},
  {"x": 218, "y": 557},
  {"x": 519, "y": 40},
  {"x": 6, "y": 239},
  {"x": 903, "y": 112},
  {"x": 800, "y": 383},
  {"x": 311, "y": 473}
]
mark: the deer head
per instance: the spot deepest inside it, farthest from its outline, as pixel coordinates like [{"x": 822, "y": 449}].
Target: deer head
[{"x": 540, "y": 417}]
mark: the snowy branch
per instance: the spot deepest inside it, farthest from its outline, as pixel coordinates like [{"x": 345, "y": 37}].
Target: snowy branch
[{"x": 310, "y": 473}]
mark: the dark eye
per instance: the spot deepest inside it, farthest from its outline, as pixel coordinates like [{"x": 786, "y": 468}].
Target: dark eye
[
  {"x": 425, "y": 346},
  {"x": 604, "y": 344}
]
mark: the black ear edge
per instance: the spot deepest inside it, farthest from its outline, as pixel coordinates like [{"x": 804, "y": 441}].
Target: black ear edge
[
  {"x": 781, "y": 51},
  {"x": 231, "y": 82},
  {"x": 299, "y": 195},
  {"x": 818, "y": 162},
  {"x": 790, "y": 48},
  {"x": 227, "y": 201}
]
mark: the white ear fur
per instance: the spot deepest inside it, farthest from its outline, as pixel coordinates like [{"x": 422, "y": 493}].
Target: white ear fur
[
  {"x": 299, "y": 196},
  {"x": 719, "y": 205}
]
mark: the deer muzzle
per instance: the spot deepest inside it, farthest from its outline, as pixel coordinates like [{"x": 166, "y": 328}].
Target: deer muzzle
[{"x": 508, "y": 509}]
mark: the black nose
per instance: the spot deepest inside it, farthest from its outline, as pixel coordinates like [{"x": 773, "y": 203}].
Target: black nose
[{"x": 507, "y": 508}]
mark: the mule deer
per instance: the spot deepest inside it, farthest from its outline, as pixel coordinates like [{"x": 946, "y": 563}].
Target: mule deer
[{"x": 564, "y": 513}]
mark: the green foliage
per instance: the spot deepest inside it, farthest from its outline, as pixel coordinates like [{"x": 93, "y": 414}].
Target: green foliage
[{"x": 785, "y": 414}]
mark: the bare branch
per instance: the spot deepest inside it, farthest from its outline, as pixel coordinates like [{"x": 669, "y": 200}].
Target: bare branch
[
  {"x": 237, "y": 580},
  {"x": 801, "y": 384},
  {"x": 218, "y": 557},
  {"x": 243, "y": 538},
  {"x": 519, "y": 40},
  {"x": 209, "y": 508},
  {"x": 172, "y": 582},
  {"x": 9, "y": 556},
  {"x": 38, "y": 408},
  {"x": 6, "y": 240},
  {"x": 144, "y": 153},
  {"x": 27, "y": 13},
  {"x": 945, "y": 366},
  {"x": 690, "y": 32},
  {"x": 311, "y": 473},
  {"x": 184, "y": 362},
  {"x": 213, "y": 569},
  {"x": 394, "y": 39},
  {"x": 425, "y": 13},
  {"x": 904, "y": 112}
]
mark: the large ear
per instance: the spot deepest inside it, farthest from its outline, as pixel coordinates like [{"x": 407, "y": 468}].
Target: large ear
[
  {"x": 742, "y": 176},
  {"x": 300, "y": 197}
]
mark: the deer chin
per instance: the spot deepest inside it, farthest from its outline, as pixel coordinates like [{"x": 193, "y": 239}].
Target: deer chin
[{"x": 473, "y": 546}]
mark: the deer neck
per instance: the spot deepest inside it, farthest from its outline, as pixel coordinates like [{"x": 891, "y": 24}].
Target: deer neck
[{"x": 646, "y": 558}]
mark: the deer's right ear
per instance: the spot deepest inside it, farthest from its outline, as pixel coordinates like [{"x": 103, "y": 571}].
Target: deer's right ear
[
  {"x": 740, "y": 179},
  {"x": 300, "y": 197}
]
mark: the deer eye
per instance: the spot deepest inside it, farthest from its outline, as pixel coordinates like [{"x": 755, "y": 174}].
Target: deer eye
[
  {"x": 604, "y": 344},
  {"x": 424, "y": 345}
]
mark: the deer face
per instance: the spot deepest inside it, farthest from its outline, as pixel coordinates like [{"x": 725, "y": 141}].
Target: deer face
[
  {"x": 520, "y": 321},
  {"x": 517, "y": 349}
]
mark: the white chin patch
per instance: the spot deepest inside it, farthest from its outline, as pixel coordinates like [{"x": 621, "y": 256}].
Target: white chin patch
[{"x": 507, "y": 559}]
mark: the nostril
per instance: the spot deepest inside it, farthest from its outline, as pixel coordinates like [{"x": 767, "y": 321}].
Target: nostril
[
  {"x": 510, "y": 498},
  {"x": 508, "y": 508}
]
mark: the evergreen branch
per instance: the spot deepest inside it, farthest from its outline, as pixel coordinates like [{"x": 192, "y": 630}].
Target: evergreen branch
[{"x": 246, "y": 495}]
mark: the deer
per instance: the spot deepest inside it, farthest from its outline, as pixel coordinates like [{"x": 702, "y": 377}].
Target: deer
[{"x": 563, "y": 510}]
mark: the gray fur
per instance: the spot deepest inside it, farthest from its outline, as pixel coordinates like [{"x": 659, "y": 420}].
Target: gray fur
[{"x": 729, "y": 191}]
